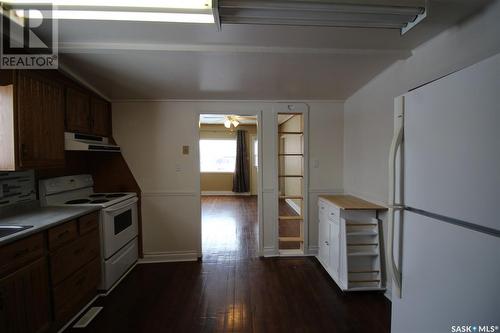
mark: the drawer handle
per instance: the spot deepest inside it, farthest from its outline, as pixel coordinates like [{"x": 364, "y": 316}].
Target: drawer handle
[
  {"x": 63, "y": 234},
  {"x": 332, "y": 213},
  {"x": 21, "y": 253}
]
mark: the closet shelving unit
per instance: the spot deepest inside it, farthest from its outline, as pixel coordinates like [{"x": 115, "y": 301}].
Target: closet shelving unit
[{"x": 291, "y": 184}]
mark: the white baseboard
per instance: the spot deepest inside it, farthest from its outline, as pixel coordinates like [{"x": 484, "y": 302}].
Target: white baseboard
[
  {"x": 294, "y": 206},
  {"x": 270, "y": 252},
  {"x": 173, "y": 256},
  {"x": 312, "y": 251},
  {"x": 208, "y": 193}
]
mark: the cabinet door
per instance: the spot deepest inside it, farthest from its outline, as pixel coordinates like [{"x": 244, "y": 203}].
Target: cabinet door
[
  {"x": 324, "y": 243},
  {"x": 40, "y": 121},
  {"x": 335, "y": 249},
  {"x": 77, "y": 111},
  {"x": 100, "y": 116},
  {"x": 24, "y": 300}
]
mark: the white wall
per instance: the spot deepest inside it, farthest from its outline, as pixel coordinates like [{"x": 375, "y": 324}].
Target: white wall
[
  {"x": 152, "y": 133},
  {"x": 368, "y": 123}
]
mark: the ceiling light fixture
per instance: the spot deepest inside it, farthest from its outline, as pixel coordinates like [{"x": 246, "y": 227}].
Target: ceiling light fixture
[
  {"x": 320, "y": 13},
  {"x": 185, "y": 11},
  {"x": 231, "y": 120},
  {"x": 166, "y": 4}
]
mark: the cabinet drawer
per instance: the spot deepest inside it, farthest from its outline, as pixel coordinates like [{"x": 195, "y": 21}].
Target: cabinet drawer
[
  {"x": 16, "y": 255},
  {"x": 88, "y": 223},
  {"x": 73, "y": 293},
  {"x": 71, "y": 257},
  {"x": 62, "y": 234}
]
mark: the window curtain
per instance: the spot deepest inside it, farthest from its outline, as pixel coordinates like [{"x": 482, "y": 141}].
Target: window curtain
[{"x": 241, "y": 177}]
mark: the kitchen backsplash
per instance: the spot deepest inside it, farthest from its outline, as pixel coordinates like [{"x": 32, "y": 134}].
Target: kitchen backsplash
[{"x": 17, "y": 187}]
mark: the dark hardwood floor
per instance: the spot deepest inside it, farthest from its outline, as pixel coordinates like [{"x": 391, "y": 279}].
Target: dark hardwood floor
[{"x": 232, "y": 290}]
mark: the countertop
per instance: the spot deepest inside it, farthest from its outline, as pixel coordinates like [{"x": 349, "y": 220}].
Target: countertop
[
  {"x": 41, "y": 218},
  {"x": 350, "y": 202}
]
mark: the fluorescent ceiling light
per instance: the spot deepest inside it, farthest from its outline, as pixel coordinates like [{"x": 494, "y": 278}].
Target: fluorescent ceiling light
[
  {"x": 169, "y": 4},
  {"x": 127, "y": 16},
  {"x": 177, "y": 11},
  {"x": 320, "y": 13}
]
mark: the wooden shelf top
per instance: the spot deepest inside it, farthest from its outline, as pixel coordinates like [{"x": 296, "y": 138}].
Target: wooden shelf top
[{"x": 350, "y": 202}]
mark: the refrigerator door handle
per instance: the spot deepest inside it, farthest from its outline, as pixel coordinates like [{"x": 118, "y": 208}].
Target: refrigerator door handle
[{"x": 397, "y": 140}]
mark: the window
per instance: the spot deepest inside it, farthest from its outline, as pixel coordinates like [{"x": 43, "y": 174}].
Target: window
[{"x": 217, "y": 155}]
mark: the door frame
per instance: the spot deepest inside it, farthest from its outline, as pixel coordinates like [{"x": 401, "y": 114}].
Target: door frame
[{"x": 257, "y": 113}]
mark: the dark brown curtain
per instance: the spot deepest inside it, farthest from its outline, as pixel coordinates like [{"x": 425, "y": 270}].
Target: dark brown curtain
[{"x": 241, "y": 177}]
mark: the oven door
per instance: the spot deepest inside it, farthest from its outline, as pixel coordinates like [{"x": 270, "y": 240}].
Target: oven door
[{"x": 119, "y": 226}]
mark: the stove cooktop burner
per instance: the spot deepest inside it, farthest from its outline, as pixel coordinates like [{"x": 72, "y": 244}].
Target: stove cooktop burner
[
  {"x": 99, "y": 201},
  {"x": 97, "y": 195},
  {"x": 77, "y": 201},
  {"x": 116, "y": 195}
]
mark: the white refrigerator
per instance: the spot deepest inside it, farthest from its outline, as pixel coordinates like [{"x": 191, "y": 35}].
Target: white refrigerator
[{"x": 444, "y": 216}]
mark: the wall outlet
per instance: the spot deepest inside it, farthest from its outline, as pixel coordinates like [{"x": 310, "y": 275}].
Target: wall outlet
[{"x": 185, "y": 150}]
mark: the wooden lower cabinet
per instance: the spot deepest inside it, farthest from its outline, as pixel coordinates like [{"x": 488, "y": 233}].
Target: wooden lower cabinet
[
  {"x": 40, "y": 292},
  {"x": 24, "y": 299},
  {"x": 75, "y": 268},
  {"x": 76, "y": 291}
]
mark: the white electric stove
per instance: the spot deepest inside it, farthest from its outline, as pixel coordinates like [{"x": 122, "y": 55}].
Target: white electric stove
[{"x": 118, "y": 220}]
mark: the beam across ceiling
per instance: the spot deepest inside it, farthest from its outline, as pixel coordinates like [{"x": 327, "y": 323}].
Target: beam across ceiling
[{"x": 111, "y": 48}]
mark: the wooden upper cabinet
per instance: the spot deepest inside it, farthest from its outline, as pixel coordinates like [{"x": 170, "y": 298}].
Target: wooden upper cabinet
[
  {"x": 77, "y": 111},
  {"x": 40, "y": 121},
  {"x": 100, "y": 115}
]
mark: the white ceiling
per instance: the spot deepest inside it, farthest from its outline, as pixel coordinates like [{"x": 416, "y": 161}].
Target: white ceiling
[{"x": 131, "y": 60}]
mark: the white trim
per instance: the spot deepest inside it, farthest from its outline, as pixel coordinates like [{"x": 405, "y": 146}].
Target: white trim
[
  {"x": 257, "y": 101},
  {"x": 291, "y": 253},
  {"x": 172, "y": 256},
  {"x": 326, "y": 191},
  {"x": 87, "y": 318},
  {"x": 293, "y": 205},
  {"x": 313, "y": 250},
  {"x": 114, "y": 48},
  {"x": 257, "y": 111},
  {"x": 168, "y": 194},
  {"x": 270, "y": 251},
  {"x": 228, "y": 193}
]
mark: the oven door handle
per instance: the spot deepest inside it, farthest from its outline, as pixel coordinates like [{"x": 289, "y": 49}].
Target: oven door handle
[{"x": 127, "y": 203}]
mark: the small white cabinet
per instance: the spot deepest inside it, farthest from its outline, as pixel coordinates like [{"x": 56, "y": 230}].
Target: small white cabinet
[{"x": 349, "y": 242}]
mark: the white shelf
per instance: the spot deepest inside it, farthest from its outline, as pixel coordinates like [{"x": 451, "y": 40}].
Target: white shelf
[
  {"x": 362, "y": 233},
  {"x": 363, "y": 254}
]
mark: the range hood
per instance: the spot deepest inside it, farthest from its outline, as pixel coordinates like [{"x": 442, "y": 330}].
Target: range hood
[{"x": 85, "y": 142}]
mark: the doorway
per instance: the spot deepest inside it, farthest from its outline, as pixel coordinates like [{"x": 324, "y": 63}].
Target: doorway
[{"x": 229, "y": 186}]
